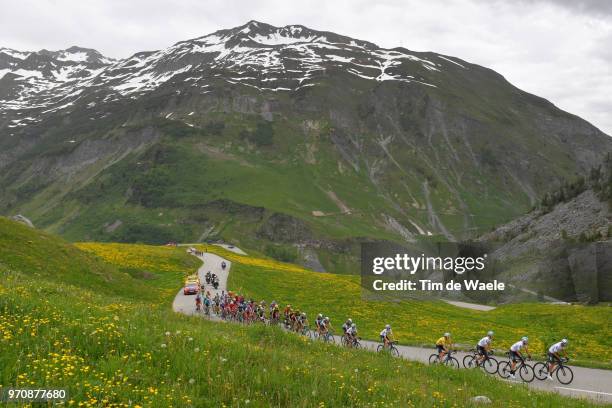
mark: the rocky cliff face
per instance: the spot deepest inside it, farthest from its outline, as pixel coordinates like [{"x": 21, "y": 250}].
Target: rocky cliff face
[{"x": 563, "y": 249}]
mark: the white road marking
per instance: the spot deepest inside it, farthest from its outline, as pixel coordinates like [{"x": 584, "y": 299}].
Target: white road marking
[{"x": 579, "y": 390}]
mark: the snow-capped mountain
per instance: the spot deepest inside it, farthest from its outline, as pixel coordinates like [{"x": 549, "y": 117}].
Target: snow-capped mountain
[
  {"x": 310, "y": 130},
  {"x": 45, "y": 78},
  {"x": 255, "y": 55}
]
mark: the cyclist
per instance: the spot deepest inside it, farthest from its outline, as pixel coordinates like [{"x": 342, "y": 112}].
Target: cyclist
[
  {"x": 347, "y": 325},
  {"x": 386, "y": 336},
  {"x": 293, "y": 319},
  {"x": 443, "y": 344},
  {"x": 483, "y": 347},
  {"x": 287, "y": 311},
  {"x": 275, "y": 314},
  {"x": 272, "y": 306},
  {"x": 553, "y": 355},
  {"x": 325, "y": 326},
  {"x": 233, "y": 308},
  {"x": 319, "y": 323},
  {"x": 516, "y": 355},
  {"x": 351, "y": 335},
  {"x": 302, "y": 322},
  {"x": 198, "y": 302},
  {"x": 261, "y": 312}
]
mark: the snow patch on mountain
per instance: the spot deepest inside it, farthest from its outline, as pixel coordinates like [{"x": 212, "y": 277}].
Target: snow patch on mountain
[
  {"x": 256, "y": 55},
  {"x": 450, "y": 60},
  {"x": 79, "y": 56},
  {"x": 14, "y": 53}
]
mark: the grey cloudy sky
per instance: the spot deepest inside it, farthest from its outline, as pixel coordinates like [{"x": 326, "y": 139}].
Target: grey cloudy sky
[{"x": 558, "y": 49}]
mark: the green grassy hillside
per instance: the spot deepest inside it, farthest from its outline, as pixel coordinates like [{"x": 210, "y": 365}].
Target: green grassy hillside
[{"x": 63, "y": 324}]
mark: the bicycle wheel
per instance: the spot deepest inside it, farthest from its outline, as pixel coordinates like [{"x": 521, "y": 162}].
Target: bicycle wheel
[
  {"x": 379, "y": 348},
  {"x": 540, "y": 371},
  {"x": 356, "y": 345},
  {"x": 329, "y": 338},
  {"x": 452, "y": 362},
  {"x": 394, "y": 351},
  {"x": 433, "y": 359},
  {"x": 565, "y": 375},
  {"x": 526, "y": 373},
  {"x": 490, "y": 365},
  {"x": 469, "y": 361},
  {"x": 503, "y": 369}
]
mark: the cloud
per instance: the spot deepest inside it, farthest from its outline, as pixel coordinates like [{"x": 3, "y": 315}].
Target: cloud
[
  {"x": 597, "y": 7},
  {"x": 557, "y": 49}
]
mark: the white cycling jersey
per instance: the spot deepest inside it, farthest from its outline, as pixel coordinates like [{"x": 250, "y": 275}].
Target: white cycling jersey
[
  {"x": 484, "y": 342},
  {"x": 351, "y": 331},
  {"x": 385, "y": 332},
  {"x": 555, "y": 348},
  {"x": 516, "y": 347}
]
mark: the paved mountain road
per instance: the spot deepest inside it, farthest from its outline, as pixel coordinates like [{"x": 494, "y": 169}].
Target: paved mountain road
[
  {"x": 466, "y": 305},
  {"x": 591, "y": 383},
  {"x": 211, "y": 262}
]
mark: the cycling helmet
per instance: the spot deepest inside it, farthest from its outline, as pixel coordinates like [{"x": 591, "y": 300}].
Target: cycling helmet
[
  {"x": 564, "y": 341},
  {"x": 525, "y": 339},
  {"x": 353, "y": 325},
  {"x": 350, "y": 321},
  {"x": 490, "y": 333},
  {"x": 446, "y": 334},
  {"x": 388, "y": 327},
  {"x": 320, "y": 315},
  {"x": 303, "y": 314},
  {"x": 326, "y": 319}
]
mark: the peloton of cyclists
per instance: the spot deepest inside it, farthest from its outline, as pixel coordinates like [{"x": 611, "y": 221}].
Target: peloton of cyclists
[{"x": 234, "y": 305}]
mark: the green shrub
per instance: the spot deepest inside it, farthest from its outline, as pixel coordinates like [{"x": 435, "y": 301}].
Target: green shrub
[
  {"x": 262, "y": 136},
  {"x": 281, "y": 253}
]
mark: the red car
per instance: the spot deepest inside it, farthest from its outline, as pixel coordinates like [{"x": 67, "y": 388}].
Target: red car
[{"x": 191, "y": 289}]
